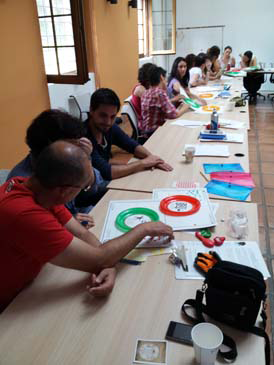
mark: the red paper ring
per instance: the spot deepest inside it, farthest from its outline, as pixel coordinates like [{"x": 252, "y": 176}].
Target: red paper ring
[{"x": 179, "y": 198}]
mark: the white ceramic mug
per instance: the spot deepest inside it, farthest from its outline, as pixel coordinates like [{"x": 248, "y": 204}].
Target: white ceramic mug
[
  {"x": 230, "y": 106},
  {"x": 207, "y": 339},
  {"x": 189, "y": 153}
]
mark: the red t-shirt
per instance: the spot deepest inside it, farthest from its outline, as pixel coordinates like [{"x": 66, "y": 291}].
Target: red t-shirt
[{"x": 30, "y": 236}]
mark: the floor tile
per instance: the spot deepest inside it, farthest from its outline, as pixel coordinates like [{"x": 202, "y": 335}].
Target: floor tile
[
  {"x": 267, "y": 147},
  {"x": 254, "y": 167},
  {"x": 261, "y": 215},
  {"x": 252, "y": 138},
  {"x": 269, "y": 196},
  {"x": 271, "y": 238},
  {"x": 266, "y": 138},
  {"x": 252, "y": 146},
  {"x": 256, "y": 178},
  {"x": 270, "y": 216},
  {"x": 266, "y": 156},
  {"x": 268, "y": 180},
  {"x": 262, "y": 241},
  {"x": 267, "y": 167},
  {"x": 253, "y": 156},
  {"x": 256, "y": 196}
]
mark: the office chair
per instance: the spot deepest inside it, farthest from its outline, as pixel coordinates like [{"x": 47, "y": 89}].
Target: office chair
[
  {"x": 129, "y": 111},
  {"x": 272, "y": 82},
  {"x": 252, "y": 83},
  {"x": 79, "y": 106}
]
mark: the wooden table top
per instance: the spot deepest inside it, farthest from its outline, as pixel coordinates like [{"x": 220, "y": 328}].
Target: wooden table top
[{"x": 55, "y": 322}]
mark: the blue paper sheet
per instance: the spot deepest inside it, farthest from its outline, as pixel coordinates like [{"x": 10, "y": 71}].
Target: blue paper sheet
[
  {"x": 232, "y": 191},
  {"x": 216, "y": 167}
]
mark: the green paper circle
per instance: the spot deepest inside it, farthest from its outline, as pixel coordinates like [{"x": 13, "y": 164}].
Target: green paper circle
[
  {"x": 192, "y": 103},
  {"x": 121, "y": 217}
]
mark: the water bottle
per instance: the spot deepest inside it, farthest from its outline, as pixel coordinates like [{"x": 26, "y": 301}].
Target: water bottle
[{"x": 214, "y": 121}]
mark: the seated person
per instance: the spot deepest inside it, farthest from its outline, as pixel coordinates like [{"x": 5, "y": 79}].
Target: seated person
[
  {"x": 247, "y": 60},
  {"x": 103, "y": 133},
  {"x": 47, "y": 127},
  {"x": 227, "y": 60},
  {"x": 190, "y": 61},
  {"x": 139, "y": 89},
  {"x": 156, "y": 106},
  {"x": 252, "y": 81},
  {"x": 216, "y": 71},
  {"x": 178, "y": 81},
  {"x": 36, "y": 228},
  {"x": 197, "y": 75}
]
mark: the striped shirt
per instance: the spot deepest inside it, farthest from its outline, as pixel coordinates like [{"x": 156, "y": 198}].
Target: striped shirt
[{"x": 156, "y": 108}]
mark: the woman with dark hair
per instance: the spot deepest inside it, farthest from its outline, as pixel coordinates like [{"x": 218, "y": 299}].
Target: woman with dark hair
[
  {"x": 213, "y": 54},
  {"x": 227, "y": 60},
  {"x": 248, "y": 60},
  {"x": 141, "y": 87},
  {"x": 190, "y": 60},
  {"x": 178, "y": 81},
  {"x": 198, "y": 74}
]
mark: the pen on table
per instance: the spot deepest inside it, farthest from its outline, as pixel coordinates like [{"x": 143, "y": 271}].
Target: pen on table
[
  {"x": 131, "y": 262},
  {"x": 203, "y": 175}
]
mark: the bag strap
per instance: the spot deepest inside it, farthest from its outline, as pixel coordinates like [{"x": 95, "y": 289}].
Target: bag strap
[
  {"x": 199, "y": 307},
  {"x": 261, "y": 332}
]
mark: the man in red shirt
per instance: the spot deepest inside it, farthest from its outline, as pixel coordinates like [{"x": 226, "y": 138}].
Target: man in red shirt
[{"x": 36, "y": 228}]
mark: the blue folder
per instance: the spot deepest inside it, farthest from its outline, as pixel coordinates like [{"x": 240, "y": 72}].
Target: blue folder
[
  {"x": 216, "y": 167},
  {"x": 232, "y": 191}
]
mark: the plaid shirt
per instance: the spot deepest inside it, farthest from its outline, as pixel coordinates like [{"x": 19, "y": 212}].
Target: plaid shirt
[{"x": 155, "y": 108}]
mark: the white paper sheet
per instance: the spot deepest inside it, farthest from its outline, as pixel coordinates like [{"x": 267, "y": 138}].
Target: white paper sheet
[
  {"x": 219, "y": 150},
  {"x": 205, "y": 88},
  {"x": 231, "y": 124},
  {"x": 230, "y": 138},
  {"x": 249, "y": 255},
  {"x": 117, "y": 206},
  {"x": 188, "y": 123},
  {"x": 204, "y": 217}
]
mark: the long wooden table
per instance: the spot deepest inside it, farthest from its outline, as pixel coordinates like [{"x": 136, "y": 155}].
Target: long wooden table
[
  {"x": 168, "y": 142},
  {"x": 55, "y": 322}
]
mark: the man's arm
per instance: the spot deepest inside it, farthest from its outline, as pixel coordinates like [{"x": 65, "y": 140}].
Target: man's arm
[
  {"x": 79, "y": 255},
  {"x": 78, "y": 231}
]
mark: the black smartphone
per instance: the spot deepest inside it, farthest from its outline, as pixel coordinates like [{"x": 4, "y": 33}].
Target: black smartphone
[{"x": 179, "y": 332}]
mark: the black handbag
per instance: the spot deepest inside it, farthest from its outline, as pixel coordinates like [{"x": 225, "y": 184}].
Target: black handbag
[{"x": 234, "y": 294}]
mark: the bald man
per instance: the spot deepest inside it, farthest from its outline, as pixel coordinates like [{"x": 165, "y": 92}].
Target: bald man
[{"x": 36, "y": 228}]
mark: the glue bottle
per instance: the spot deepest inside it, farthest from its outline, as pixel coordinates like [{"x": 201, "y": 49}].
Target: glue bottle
[{"x": 214, "y": 121}]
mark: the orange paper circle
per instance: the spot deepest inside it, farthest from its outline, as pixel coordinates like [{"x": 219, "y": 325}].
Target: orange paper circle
[
  {"x": 209, "y": 108},
  {"x": 206, "y": 96}
]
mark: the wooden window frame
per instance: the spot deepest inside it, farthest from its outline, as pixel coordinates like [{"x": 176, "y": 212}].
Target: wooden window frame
[
  {"x": 145, "y": 30},
  {"x": 79, "y": 45},
  {"x": 162, "y": 52}
]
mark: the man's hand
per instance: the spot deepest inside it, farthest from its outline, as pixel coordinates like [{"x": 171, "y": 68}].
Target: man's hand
[
  {"x": 164, "y": 166},
  {"x": 202, "y": 101},
  {"x": 154, "y": 229},
  {"x": 86, "y": 145},
  {"x": 151, "y": 161},
  {"x": 102, "y": 284},
  {"x": 82, "y": 217}
]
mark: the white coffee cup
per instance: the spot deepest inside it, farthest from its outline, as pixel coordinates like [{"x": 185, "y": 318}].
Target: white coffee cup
[
  {"x": 229, "y": 106},
  {"x": 189, "y": 153},
  {"x": 207, "y": 339}
]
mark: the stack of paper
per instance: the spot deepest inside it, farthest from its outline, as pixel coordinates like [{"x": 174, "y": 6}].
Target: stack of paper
[
  {"x": 229, "y": 137},
  {"x": 249, "y": 255},
  {"x": 219, "y": 150}
]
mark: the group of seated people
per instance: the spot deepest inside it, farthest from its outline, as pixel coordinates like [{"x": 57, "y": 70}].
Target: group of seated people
[
  {"x": 69, "y": 163},
  {"x": 156, "y": 98}
]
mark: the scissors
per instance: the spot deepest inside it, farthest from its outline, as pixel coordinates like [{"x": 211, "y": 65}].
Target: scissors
[{"x": 217, "y": 241}]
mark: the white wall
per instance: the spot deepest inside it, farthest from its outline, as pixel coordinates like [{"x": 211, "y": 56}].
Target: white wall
[
  {"x": 59, "y": 93},
  {"x": 249, "y": 25}
]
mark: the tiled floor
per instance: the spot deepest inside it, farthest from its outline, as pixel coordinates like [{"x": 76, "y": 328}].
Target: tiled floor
[
  {"x": 261, "y": 149},
  {"x": 261, "y": 156}
]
